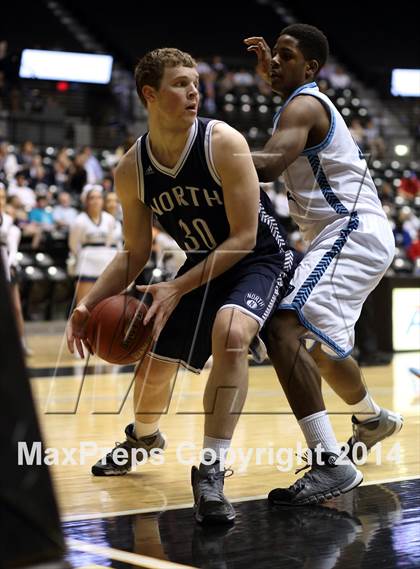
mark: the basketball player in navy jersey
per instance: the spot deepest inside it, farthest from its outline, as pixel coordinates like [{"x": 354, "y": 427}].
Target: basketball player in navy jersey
[
  {"x": 196, "y": 175},
  {"x": 334, "y": 202}
]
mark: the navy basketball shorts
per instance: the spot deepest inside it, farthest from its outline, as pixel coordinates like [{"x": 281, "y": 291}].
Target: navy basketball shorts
[{"x": 253, "y": 288}]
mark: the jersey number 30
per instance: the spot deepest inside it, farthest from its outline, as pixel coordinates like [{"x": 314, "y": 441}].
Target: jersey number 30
[{"x": 197, "y": 237}]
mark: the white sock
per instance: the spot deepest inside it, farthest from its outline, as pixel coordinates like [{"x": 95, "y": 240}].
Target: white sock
[
  {"x": 219, "y": 446},
  {"x": 145, "y": 429},
  {"x": 365, "y": 409},
  {"x": 317, "y": 430}
]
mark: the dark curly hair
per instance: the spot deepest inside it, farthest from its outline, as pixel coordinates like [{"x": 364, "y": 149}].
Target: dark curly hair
[
  {"x": 149, "y": 70},
  {"x": 312, "y": 42}
]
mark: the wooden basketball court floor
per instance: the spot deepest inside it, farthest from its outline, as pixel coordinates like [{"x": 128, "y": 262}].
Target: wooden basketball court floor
[{"x": 145, "y": 518}]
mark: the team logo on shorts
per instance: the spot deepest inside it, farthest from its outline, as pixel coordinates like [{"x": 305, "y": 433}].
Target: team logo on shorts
[{"x": 254, "y": 301}]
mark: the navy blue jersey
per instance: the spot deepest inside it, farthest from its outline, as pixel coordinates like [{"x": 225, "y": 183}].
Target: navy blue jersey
[{"x": 188, "y": 198}]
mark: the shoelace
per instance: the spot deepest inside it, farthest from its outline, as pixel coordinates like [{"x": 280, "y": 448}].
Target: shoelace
[
  {"x": 300, "y": 483},
  {"x": 308, "y": 476},
  {"x": 307, "y": 465},
  {"x": 207, "y": 484},
  {"x": 116, "y": 447}
]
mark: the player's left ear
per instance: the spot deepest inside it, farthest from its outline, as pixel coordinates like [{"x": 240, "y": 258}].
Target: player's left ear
[
  {"x": 312, "y": 67},
  {"x": 149, "y": 93}
]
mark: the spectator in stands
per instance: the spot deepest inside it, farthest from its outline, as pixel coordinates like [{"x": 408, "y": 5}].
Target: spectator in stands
[
  {"x": 8, "y": 162},
  {"x": 413, "y": 251},
  {"x": 63, "y": 157},
  {"x": 218, "y": 67},
  {"x": 64, "y": 214},
  {"x": 207, "y": 85},
  {"x": 243, "y": 81},
  {"x": 5, "y": 222},
  {"x": 41, "y": 213},
  {"x": 374, "y": 142},
  {"x": 386, "y": 193},
  {"x": 91, "y": 240},
  {"x": 409, "y": 186},
  {"x": 358, "y": 133},
  {"x": 108, "y": 183},
  {"x": 19, "y": 187},
  {"x": 410, "y": 222},
  {"x": 26, "y": 155},
  {"x": 77, "y": 174},
  {"x": 402, "y": 237},
  {"x": 38, "y": 174},
  {"x": 9, "y": 244},
  {"x": 326, "y": 72},
  {"x": 92, "y": 166},
  {"x": 112, "y": 205},
  {"x": 62, "y": 166},
  {"x": 20, "y": 214},
  {"x": 389, "y": 210},
  {"x": 226, "y": 84},
  {"x": 338, "y": 78},
  {"x": 41, "y": 221},
  {"x": 203, "y": 67}
]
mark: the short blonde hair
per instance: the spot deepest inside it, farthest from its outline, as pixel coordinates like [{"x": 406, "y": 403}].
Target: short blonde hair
[{"x": 151, "y": 67}]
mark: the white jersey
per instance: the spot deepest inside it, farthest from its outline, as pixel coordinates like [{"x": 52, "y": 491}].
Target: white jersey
[
  {"x": 92, "y": 243},
  {"x": 330, "y": 180},
  {"x": 9, "y": 242}
]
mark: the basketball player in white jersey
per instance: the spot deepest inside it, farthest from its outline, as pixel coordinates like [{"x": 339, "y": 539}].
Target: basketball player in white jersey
[{"x": 334, "y": 201}]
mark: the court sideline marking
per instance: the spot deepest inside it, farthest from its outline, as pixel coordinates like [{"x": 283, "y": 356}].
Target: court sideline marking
[{"x": 125, "y": 556}]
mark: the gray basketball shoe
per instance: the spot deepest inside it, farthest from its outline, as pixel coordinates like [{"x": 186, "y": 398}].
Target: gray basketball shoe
[
  {"x": 372, "y": 431},
  {"x": 210, "y": 504},
  {"x": 323, "y": 482},
  {"x": 119, "y": 460}
]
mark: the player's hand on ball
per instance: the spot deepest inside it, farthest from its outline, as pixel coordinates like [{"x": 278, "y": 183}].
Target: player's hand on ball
[
  {"x": 76, "y": 330},
  {"x": 166, "y": 296},
  {"x": 261, "y": 48}
]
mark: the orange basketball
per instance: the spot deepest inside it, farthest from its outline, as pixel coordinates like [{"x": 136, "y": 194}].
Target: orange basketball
[{"x": 116, "y": 331}]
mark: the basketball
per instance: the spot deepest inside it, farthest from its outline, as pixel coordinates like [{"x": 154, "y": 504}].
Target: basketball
[{"x": 116, "y": 331}]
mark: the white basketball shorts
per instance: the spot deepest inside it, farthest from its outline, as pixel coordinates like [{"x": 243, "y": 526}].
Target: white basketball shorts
[{"x": 342, "y": 266}]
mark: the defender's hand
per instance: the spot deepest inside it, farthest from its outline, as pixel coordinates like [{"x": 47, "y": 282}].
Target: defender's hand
[{"x": 261, "y": 48}]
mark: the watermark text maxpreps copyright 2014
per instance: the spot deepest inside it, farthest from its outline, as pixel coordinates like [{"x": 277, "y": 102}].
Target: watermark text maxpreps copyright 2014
[{"x": 187, "y": 453}]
